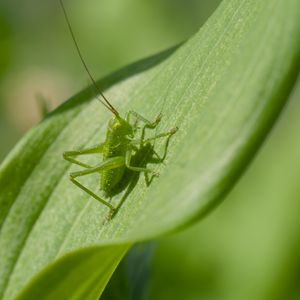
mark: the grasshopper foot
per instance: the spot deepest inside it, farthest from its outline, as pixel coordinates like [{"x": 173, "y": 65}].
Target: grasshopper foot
[{"x": 173, "y": 130}]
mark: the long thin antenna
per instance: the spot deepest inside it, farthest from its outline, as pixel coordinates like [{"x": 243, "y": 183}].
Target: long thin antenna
[{"x": 106, "y": 103}]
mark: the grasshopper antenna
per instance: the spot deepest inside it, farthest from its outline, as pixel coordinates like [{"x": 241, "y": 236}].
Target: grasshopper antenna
[{"x": 106, "y": 103}]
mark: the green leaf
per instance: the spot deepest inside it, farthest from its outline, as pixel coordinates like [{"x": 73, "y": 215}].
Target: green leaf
[
  {"x": 78, "y": 277},
  {"x": 224, "y": 89}
]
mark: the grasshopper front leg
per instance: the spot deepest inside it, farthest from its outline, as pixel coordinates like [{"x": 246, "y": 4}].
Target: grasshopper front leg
[
  {"x": 157, "y": 136},
  {"x": 147, "y": 124}
]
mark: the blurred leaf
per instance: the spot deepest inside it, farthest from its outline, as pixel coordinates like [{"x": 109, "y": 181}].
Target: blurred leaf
[
  {"x": 223, "y": 88},
  {"x": 130, "y": 280},
  {"x": 78, "y": 277}
]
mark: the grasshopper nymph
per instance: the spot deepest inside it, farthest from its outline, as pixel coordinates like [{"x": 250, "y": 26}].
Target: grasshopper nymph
[{"x": 119, "y": 145}]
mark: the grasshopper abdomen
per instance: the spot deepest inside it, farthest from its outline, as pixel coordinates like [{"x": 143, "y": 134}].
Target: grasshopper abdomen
[{"x": 116, "y": 145}]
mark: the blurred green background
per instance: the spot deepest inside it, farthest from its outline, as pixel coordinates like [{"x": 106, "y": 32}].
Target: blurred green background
[
  {"x": 38, "y": 58},
  {"x": 249, "y": 247}
]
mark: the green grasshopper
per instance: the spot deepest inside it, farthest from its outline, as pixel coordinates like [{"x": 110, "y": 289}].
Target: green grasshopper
[{"x": 119, "y": 146}]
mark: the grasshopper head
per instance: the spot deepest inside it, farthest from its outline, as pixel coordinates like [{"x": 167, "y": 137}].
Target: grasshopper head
[{"x": 120, "y": 127}]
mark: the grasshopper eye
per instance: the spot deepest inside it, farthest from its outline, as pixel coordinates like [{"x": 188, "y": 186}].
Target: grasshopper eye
[{"x": 117, "y": 126}]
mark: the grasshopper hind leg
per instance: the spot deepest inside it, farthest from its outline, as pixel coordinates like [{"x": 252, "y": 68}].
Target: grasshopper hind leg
[
  {"x": 91, "y": 193},
  {"x": 109, "y": 164},
  {"x": 71, "y": 155}
]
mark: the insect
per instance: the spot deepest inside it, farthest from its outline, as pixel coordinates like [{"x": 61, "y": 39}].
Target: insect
[{"x": 121, "y": 145}]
